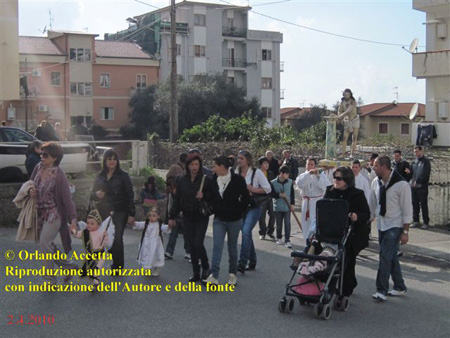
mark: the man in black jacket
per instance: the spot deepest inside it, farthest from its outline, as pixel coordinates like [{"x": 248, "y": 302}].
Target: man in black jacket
[
  {"x": 420, "y": 173},
  {"x": 400, "y": 165},
  {"x": 291, "y": 163}
]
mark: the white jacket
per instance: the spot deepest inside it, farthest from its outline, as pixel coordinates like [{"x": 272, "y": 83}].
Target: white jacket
[{"x": 28, "y": 217}]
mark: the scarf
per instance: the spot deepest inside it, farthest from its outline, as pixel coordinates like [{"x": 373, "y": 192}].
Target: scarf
[
  {"x": 222, "y": 182},
  {"x": 383, "y": 188}
]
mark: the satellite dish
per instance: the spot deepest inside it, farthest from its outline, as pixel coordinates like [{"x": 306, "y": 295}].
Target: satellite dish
[
  {"x": 413, "y": 112},
  {"x": 413, "y": 45}
]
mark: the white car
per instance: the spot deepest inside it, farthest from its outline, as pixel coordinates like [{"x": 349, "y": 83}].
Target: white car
[{"x": 14, "y": 143}]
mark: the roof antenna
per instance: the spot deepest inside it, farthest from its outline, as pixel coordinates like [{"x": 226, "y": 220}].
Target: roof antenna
[{"x": 50, "y": 19}]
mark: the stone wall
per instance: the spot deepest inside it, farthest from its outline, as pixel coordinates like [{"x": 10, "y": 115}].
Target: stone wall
[{"x": 83, "y": 188}]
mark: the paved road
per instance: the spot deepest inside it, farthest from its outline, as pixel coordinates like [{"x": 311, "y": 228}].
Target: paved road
[{"x": 249, "y": 311}]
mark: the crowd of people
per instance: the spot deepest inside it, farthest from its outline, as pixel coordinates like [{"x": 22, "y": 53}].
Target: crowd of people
[{"x": 239, "y": 195}]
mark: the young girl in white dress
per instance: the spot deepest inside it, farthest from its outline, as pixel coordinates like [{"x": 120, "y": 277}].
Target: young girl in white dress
[{"x": 151, "y": 249}]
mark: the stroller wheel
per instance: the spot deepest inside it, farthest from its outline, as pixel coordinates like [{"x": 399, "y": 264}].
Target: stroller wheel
[
  {"x": 337, "y": 303},
  {"x": 326, "y": 311},
  {"x": 345, "y": 303},
  {"x": 318, "y": 310},
  {"x": 282, "y": 305},
  {"x": 290, "y": 305}
]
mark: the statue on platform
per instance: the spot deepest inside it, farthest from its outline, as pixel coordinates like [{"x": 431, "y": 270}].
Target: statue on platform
[{"x": 347, "y": 112}]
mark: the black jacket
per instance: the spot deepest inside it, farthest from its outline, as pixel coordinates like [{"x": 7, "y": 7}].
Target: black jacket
[
  {"x": 292, "y": 163},
  {"x": 232, "y": 206},
  {"x": 359, "y": 238},
  {"x": 184, "y": 197},
  {"x": 400, "y": 167},
  {"x": 119, "y": 194},
  {"x": 274, "y": 167},
  {"x": 421, "y": 171}
]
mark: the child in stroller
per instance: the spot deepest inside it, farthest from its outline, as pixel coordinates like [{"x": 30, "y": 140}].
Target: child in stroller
[{"x": 320, "y": 265}]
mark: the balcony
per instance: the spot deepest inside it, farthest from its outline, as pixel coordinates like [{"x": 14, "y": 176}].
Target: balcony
[
  {"x": 433, "y": 63},
  {"x": 234, "y": 63},
  {"x": 234, "y": 32},
  {"x": 181, "y": 28},
  {"x": 430, "y": 5}
]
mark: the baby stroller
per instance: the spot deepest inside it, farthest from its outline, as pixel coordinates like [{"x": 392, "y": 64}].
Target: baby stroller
[{"x": 319, "y": 288}]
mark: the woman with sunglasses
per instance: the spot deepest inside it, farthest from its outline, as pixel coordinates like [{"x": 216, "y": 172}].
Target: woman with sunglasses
[
  {"x": 55, "y": 207},
  {"x": 257, "y": 183},
  {"x": 114, "y": 192},
  {"x": 359, "y": 213}
]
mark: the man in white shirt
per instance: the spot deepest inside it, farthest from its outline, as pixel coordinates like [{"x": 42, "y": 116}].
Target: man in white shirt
[
  {"x": 390, "y": 202},
  {"x": 360, "y": 181},
  {"x": 312, "y": 184}
]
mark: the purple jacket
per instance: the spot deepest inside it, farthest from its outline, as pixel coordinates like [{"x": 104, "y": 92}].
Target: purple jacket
[{"x": 64, "y": 204}]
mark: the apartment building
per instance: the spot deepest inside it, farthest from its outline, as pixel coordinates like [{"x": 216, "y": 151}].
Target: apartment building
[
  {"x": 433, "y": 65},
  {"x": 214, "y": 38},
  {"x": 71, "y": 74}
]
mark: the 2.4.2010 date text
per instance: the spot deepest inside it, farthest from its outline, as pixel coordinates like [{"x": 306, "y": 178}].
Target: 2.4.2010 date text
[{"x": 31, "y": 320}]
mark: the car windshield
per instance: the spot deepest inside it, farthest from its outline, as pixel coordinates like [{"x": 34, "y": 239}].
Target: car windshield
[{"x": 15, "y": 135}]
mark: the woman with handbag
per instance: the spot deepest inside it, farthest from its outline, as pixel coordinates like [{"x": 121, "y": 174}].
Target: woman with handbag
[
  {"x": 259, "y": 188},
  {"x": 230, "y": 201},
  {"x": 193, "y": 192},
  {"x": 114, "y": 192}
]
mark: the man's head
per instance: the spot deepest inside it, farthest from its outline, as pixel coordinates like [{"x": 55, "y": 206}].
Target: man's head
[
  {"x": 269, "y": 155},
  {"x": 284, "y": 173},
  {"x": 382, "y": 166},
  {"x": 311, "y": 164},
  {"x": 356, "y": 167},
  {"x": 418, "y": 151},
  {"x": 286, "y": 154},
  {"x": 397, "y": 155},
  {"x": 372, "y": 158}
]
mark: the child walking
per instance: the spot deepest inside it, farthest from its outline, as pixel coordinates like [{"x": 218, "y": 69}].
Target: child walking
[
  {"x": 151, "y": 249},
  {"x": 94, "y": 242},
  {"x": 283, "y": 194}
]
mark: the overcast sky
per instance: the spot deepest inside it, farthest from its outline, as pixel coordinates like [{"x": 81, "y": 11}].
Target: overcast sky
[{"x": 317, "y": 66}]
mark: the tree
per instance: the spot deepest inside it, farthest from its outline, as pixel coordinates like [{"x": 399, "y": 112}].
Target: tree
[{"x": 310, "y": 117}]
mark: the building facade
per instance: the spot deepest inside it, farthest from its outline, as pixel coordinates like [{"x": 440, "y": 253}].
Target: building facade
[
  {"x": 70, "y": 74},
  {"x": 211, "y": 39},
  {"x": 433, "y": 65}
]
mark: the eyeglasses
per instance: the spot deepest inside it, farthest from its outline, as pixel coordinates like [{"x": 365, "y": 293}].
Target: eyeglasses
[
  {"x": 338, "y": 178},
  {"x": 45, "y": 155}
]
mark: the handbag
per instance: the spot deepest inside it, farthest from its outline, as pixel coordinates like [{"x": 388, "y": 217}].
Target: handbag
[
  {"x": 257, "y": 199},
  {"x": 205, "y": 208}
]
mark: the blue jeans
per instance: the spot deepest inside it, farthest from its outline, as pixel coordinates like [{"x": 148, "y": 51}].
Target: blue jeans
[
  {"x": 248, "y": 252},
  {"x": 286, "y": 216},
  {"x": 389, "y": 241},
  {"x": 220, "y": 228}
]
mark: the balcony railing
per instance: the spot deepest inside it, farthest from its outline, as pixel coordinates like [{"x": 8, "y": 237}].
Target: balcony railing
[
  {"x": 432, "y": 63},
  {"x": 234, "y": 32},
  {"x": 234, "y": 63},
  {"x": 181, "y": 28}
]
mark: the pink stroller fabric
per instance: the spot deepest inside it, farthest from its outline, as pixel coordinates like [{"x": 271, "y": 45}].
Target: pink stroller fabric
[{"x": 308, "y": 287}]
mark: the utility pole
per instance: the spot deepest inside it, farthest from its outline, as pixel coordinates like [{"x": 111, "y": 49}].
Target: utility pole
[
  {"x": 26, "y": 96},
  {"x": 173, "y": 121}
]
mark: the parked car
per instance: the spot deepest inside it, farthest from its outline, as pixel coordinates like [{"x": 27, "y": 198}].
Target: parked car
[{"x": 14, "y": 143}]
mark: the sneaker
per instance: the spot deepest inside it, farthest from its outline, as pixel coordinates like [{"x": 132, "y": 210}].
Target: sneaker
[
  {"x": 168, "y": 255},
  {"x": 425, "y": 226},
  {"x": 415, "y": 225},
  {"x": 241, "y": 268},
  {"x": 262, "y": 236},
  {"x": 187, "y": 256},
  {"x": 288, "y": 245},
  {"x": 271, "y": 236},
  {"x": 155, "y": 272},
  {"x": 280, "y": 241},
  {"x": 211, "y": 279},
  {"x": 250, "y": 267},
  {"x": 396, "y": 293},
  {"x": 232, "y": 280},
  {"x": 379, "y": 297}
]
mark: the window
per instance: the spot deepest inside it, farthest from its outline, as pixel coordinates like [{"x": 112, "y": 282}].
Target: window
[
  {"x": 266, "y": 54},
  {"x": 404, "y": 128},
  {"x": 107, "y": 113},
  {"x": 199, "y": 51},
  {"x": 178, "y": 49},
  {"x": 141, "y": 81},
  {"x": 230, "y": 79},
  {"x": 55, "y": 78},
  {"x": 80, "y": 54},
  {"x": 382, "y": 128},
  {"x": 104, "y": 81},
  {"x": 81, "y": 88},
  {"x": 267, "y": 111},
  {"x": 199, "y": 20},
  {"x": 266, "y": 83}
]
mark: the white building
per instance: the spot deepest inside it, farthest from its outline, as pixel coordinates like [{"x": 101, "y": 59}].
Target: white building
[
  {"x": 214, "y": 38},
  {"x": 434, "y": 66}
]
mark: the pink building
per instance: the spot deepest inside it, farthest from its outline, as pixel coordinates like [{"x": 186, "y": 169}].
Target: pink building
[{"x": 71, "y": 74}]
